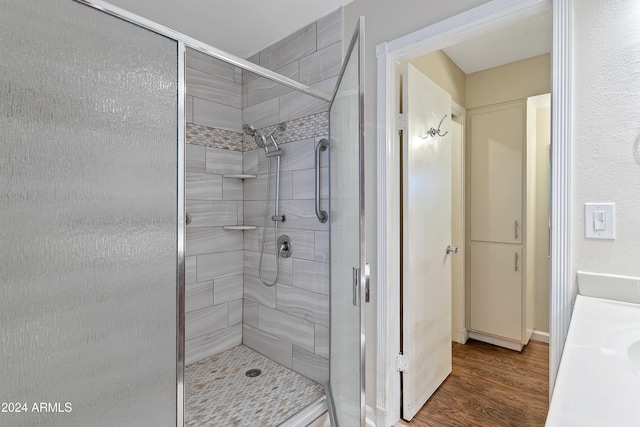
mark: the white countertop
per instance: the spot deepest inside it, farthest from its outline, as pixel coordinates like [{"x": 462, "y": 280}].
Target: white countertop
[{"x": 598, "y": 382}]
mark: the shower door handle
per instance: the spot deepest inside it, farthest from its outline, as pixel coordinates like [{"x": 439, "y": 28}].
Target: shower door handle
[{"x": 323, "y": 216}]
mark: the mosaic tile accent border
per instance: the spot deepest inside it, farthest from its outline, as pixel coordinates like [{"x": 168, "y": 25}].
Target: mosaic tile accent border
[
  {"x": 298, "y": 129},
  {"x": 218, "y": 393},
  {"x": 212, "y": 137}
]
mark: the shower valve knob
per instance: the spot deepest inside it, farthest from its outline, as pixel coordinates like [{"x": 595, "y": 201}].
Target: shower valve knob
[{"x": 284, "y": 246}]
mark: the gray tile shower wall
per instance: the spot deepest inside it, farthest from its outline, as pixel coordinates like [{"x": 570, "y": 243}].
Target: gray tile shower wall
[
  {"x": 226, "y": 303},
  {"x": 311, "y": 55},
  {"x": 214, "y": 92},
  {"x": 214, "y": 256},
  {"x": 288, "y": 322}
]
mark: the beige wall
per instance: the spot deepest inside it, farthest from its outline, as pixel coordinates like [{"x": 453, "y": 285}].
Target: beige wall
[
  {"x": 509, "y": 82},
  {"x": 444, "y": 72}
]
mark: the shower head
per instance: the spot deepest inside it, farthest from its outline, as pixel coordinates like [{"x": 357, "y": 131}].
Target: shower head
[
  {"x": 258, "y": 138},
  {"x": 249, "y": 130}
]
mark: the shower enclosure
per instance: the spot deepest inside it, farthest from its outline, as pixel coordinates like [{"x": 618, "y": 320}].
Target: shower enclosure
[
  {"x": 94, "y": 262},
  {"x": 90, "y": 237}
]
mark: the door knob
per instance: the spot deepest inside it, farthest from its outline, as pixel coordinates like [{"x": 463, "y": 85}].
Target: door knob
[{"x": 451, "y": 249}]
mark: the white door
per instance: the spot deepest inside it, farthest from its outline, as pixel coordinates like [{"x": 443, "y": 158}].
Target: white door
[{"x": 426, "y": 233}]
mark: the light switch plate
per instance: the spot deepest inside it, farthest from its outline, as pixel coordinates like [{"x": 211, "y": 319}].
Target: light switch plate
[{"x": 600, "y": 220}]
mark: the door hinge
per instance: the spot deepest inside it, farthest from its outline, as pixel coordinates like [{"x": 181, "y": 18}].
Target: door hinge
[
  {"x": 402, "y": 363},
  {"x": 401, "y": 122}
]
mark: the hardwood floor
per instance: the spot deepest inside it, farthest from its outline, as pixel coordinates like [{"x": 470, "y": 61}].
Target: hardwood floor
[{"x": 491, "y": 386}]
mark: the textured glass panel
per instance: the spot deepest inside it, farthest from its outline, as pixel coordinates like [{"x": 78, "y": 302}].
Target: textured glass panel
[
  {"x": 88, "y": 190},
  {"x": 345, "y": 245}
]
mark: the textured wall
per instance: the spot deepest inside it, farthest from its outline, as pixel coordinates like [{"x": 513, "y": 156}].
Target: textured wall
[{"x": 606, "y": 147}]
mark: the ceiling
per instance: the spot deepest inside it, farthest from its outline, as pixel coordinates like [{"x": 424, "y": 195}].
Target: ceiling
[
  {"x": 526, "y": 39},
  {"x": 244, "y": 27}
]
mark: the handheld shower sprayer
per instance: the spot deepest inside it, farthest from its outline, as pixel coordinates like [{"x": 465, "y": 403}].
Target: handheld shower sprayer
[{"x": 283, "y": 247}]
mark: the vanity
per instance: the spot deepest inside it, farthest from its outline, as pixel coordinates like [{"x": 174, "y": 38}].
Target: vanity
[{"x": 598, "y": 382}]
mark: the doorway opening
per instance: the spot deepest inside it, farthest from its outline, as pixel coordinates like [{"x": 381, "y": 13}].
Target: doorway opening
[{"x": 447, "y": 33}]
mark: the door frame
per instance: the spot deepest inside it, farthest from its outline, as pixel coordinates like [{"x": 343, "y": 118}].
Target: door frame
[{"x": 489, "y": 17}]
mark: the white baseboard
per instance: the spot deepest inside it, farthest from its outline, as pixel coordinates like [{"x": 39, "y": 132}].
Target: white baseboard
[
  {"x": 540, "y": 336},
  {"x": 501, "y": 342},
  {"x": 460, "y": 336}
]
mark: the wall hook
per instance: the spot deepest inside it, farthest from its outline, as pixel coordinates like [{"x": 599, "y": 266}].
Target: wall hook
[{"x": 433, "y": 132}]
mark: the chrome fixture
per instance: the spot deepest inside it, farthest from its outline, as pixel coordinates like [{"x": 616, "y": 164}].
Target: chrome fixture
[
  {"x": 433, "y": 132},
  {"x": 283, "y": 246},
  {"x": 261, "y": 139},
  {"x": 452, "y": 250},
  {"x": 323, "y": 216}
]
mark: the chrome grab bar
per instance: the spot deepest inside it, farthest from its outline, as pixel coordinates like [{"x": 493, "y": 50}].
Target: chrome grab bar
[{"x": 323, "y": 216}]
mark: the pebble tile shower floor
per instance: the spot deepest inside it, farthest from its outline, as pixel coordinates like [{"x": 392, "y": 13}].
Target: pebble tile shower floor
[{"x": 219, "y": 394}]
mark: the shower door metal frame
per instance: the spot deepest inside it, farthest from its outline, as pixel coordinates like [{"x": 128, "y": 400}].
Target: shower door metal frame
[
  {"x": 183, "y": 42},
  {"x": 180, "y": 291},
  {"x": 361, "y": 273}
]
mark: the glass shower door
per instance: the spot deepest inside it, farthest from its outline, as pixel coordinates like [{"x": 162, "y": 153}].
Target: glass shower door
[
  {"x": 349, "y": 287},
  {"x": 89, "y": 206}
]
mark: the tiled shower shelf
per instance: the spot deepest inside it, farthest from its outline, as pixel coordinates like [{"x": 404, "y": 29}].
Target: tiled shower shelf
[
  {"x": 239, "y": 227},
  {"x": 241, "y": 176}
]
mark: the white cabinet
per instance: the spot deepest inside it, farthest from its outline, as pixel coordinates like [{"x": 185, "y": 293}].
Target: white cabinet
[
  {"x": 496, "y": 289},
  {"x": 500, "y": 298},
  {"x": 497, "y": 146}
]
